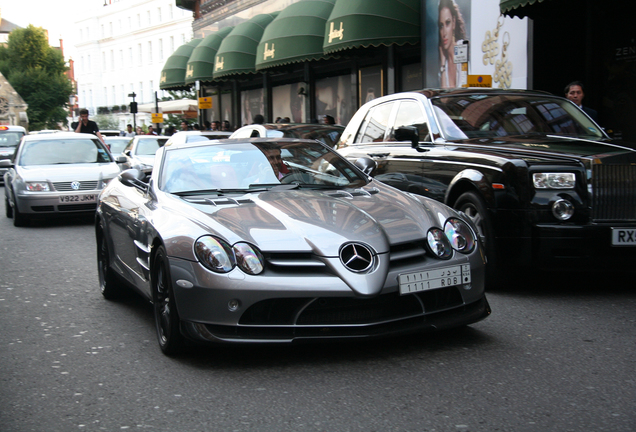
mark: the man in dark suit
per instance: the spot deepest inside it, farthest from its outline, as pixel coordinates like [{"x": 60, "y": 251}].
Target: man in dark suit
[{"x": 574, "y": 92}]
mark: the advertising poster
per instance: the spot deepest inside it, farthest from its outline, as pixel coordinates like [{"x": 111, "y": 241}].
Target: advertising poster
[
  {"x": 226, "y": 106},
  {"x": 251, "y": 105},
  {"x": 412, "y": 77},
  {"x": 497, "y": 44},
  {"x": 289, "y": 101},
  {"x": 447, "y": 25},
  {"x": 371, "y": 84},
  {"x": 335, "y": 96}
]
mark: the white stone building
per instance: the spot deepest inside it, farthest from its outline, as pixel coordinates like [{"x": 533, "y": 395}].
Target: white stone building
[{"x": 122, "y": 50}]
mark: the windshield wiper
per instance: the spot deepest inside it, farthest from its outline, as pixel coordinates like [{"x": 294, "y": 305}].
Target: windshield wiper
[{"x": 196, "y": 192}]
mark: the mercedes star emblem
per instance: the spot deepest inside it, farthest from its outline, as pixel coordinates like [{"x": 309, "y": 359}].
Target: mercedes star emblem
[{"x": 356, "y": 257}]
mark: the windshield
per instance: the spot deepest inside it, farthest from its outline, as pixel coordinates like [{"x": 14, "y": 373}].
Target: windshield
[
  {"x": 149, "y": 146},
  {"x": 494, "y": 116},
  {"x": 117, "y": 145},
  {"x": 72, "y": 151},
  {"x": 10, "y": 138},
  {"x": 243, "y": 166}
]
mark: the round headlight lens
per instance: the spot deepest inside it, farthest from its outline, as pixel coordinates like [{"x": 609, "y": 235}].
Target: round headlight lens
[
  {"x": 438, "y": 244},
  {"x": 562, "y": 209},
  {"x": 248, "y": 258},
  {"x": 214, "y": 254},
  {"x": 460, "y": 236}
]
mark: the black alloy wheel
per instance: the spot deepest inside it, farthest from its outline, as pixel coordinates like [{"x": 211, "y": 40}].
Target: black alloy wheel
[
  {"x": 167, "y": 321},
  {"x": 474, "y": 206}
]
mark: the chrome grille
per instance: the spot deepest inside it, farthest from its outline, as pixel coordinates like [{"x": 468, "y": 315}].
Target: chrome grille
[
  {"x": 66, "y": 186},
  {"x": 614, "y": 193}
]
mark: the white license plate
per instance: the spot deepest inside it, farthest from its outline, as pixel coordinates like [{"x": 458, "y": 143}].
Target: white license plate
[
  {"x": 78, "y": 198},
  {"x": 433, "y": 279},
  {"x": 623, "y": 236}
]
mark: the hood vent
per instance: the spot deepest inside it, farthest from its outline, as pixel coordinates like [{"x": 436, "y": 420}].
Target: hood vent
[
  {"x": 354, "y": 193},
  {"x": 216, "y": 202}
]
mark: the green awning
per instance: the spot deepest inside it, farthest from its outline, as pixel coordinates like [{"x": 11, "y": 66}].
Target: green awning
[
  {"x": 173, "y": 72},
  {"x": 521, "y": 8},
  {"x": 200, "y": 67},
  {"x": 364, "y": 23},
  {"x": 237, "y": 53},
  {"x": 296, "y": 35}
]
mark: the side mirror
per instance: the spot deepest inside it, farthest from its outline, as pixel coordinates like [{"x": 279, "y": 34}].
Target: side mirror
[
  {"x": 134, "y": 178},
  {"x": 121, "y": 159},
  {"x": 366, "y": 165},
  {"x": 408, "y": 133},
  {"x": 6, "y": 163}
]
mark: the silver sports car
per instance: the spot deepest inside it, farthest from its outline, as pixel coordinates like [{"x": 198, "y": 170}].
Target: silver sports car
[
  {"x": 281, "y": 240},
  {"x": 56, "y": 174}
]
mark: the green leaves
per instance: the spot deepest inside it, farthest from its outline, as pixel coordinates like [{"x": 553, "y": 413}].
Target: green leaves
[{"x": 37, "y": 72}]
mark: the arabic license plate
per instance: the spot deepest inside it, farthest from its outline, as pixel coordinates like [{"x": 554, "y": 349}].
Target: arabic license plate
[
  {"x": 433, "y": 279},
  {"x": 623, "y": 236},
  {"x": 78, "y": 198}
]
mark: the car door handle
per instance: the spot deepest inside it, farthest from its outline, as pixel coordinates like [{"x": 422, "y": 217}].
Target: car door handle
[{"x": 378, "y": 155}]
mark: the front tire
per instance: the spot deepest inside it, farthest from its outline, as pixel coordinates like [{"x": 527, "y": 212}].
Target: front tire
[
  {"x": 474, "y": 206},
  {"x": 167, "y": 321},
  {"x": 19, "y": 220},
  {"x": 107, "y": 279},
  {"x": 8, "y": 210}
]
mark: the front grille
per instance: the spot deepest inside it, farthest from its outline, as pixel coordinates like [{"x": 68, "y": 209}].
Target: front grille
[
  {"x": 77, "y": 207},
  {"x": 66, "y": 186},
  {"x": 614, "y": 193},
  {"x": 47, "y": 208},
  {"x": 350, "y": 311}
]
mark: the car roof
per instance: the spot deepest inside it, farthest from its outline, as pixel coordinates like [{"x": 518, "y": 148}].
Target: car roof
[
  {"x": 60, "y": 136},
  {"x": 12, "y": 128},
  {"x": 473, "y": 90},
  {"x": 172, "y": 146}
]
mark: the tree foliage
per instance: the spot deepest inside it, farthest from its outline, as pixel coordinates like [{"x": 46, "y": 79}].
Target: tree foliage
[{"x": 37, "y": 72}]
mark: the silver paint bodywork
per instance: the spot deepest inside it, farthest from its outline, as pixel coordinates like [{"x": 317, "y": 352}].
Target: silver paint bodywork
[{"x": 301, "y": 233}]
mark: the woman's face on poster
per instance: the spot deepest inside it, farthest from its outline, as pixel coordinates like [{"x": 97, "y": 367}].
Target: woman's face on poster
[{"x": 446, "y": 28}]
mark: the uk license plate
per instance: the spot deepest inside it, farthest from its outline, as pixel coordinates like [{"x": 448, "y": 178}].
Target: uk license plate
[
  {"x": 77, "y": 198},
  {"x": 433, "y": 279},
  {"x": 623, "y": 236}
]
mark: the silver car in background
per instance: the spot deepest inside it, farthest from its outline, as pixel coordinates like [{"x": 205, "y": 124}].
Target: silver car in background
[
  {"x": 56, "y": 174},
  {"x": 10, "y": 137},
  {"x": 283, "y": 240},
  {"x": 141, "y": 150}
]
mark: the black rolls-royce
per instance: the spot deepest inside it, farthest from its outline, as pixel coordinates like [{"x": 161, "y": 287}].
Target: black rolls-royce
[{"x": 544, "y": 184}]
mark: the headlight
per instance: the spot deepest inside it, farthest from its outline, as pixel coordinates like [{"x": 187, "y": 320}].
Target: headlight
[
  {"x": 562, "y": 209},
  {"x": 460, "y": 236},
  {"x": 248, "y": 258},
  {"x": 214, "y": 254},
  {"x": 220, "y": 257},
  {"x": 104, "y": 183},
  {"x": 554, "y": 180},
  {"x": 37, "y": 187},
  {"x": 438, "y": 243}
]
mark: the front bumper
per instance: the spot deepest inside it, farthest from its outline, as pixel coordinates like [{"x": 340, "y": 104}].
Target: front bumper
[
  {"x": 569, "y": 247},
  {"x": 421, "y": 322},
  {"x": 235, "y": 307},
  {"x": 47, "y": 203}
]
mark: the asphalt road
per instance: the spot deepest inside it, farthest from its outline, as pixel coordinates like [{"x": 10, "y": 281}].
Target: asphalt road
[{"x": 557, "y": 354}]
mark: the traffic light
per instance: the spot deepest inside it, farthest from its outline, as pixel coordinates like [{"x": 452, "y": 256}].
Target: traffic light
[{"x": 133, "y": 107}]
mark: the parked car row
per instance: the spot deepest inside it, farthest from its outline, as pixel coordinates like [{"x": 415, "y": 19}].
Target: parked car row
[{"x": 394, "y": 224}]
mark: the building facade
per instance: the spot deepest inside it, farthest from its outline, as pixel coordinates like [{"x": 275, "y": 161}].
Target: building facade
[
  {"x": 123, "y": 48},
  {"x": 375, "y": 47}
]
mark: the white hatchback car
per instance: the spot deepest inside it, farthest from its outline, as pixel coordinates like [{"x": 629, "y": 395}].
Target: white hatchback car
[{"x": 56, "y": 174}]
